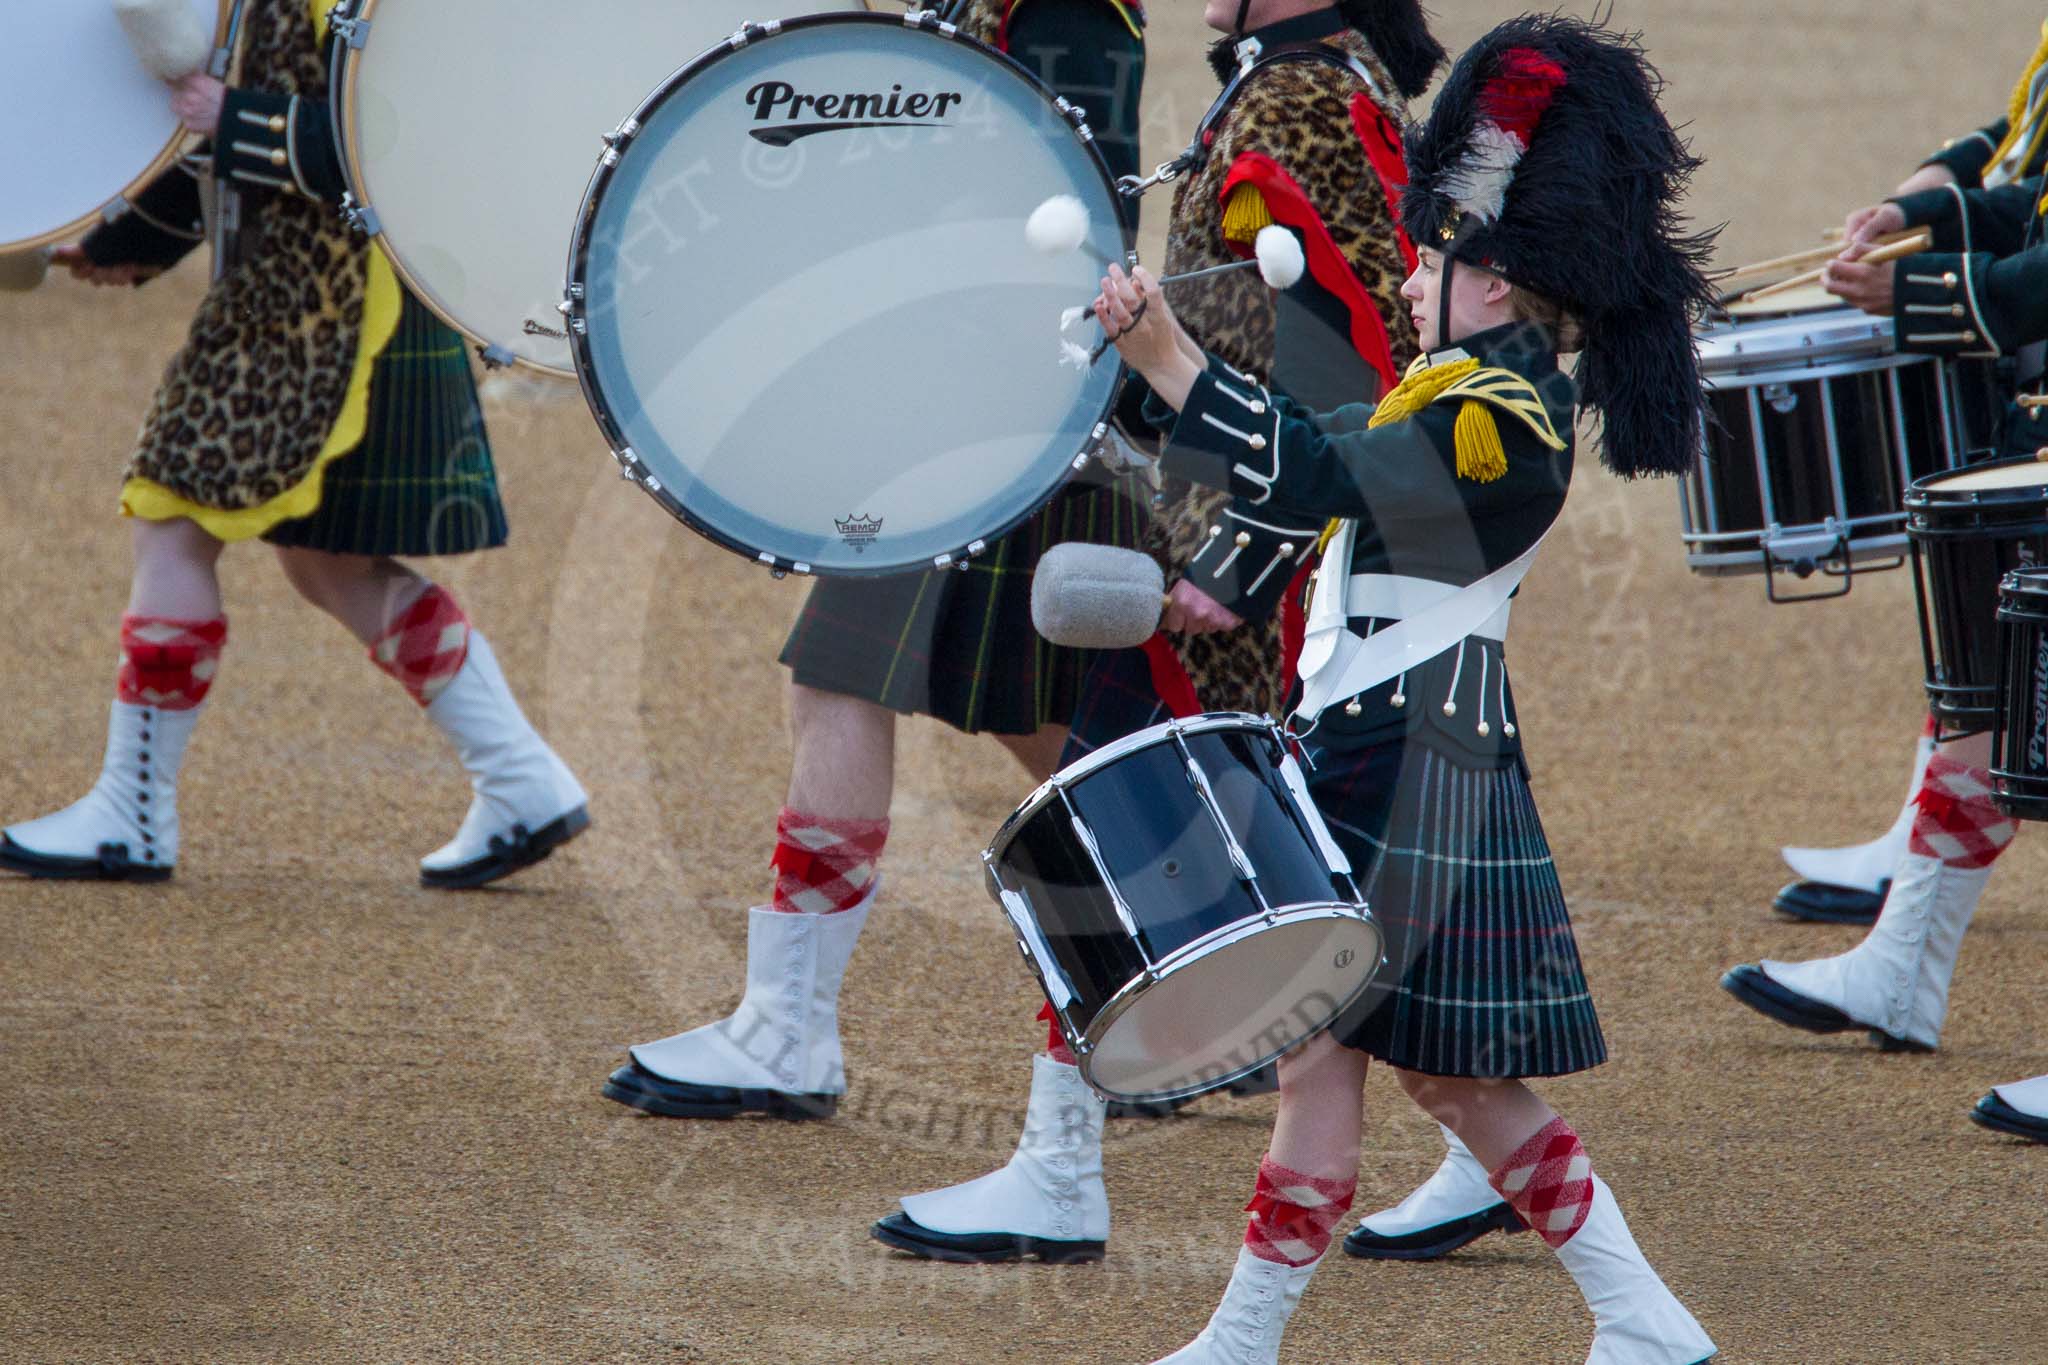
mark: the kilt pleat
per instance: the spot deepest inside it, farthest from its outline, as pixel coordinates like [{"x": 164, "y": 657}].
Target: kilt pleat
[
  {"x": 1483, "y": 975},
  {"x": 422, "y": 481},
  {"x": 958, "y": 644}
]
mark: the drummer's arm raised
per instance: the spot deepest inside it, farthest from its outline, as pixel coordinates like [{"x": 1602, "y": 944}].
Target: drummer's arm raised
[
  {"x": 278, "y": 142},
  {"x": 1276, "y": 455}
]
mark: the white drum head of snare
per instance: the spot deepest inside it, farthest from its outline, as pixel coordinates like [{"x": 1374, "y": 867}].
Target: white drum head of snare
[
  {"x": 1230, "y": 1010},
  {"x": 85, "y": 122},
  {"x": 470, "y": 127},
  {"x": 2023, "y": 474}
]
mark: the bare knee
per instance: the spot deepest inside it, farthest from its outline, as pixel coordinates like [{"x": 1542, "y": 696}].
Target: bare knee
[{"x": 815, "y": 712}]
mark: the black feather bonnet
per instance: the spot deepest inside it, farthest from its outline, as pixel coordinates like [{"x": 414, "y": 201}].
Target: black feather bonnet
[{"x": 1547, "y": 160}]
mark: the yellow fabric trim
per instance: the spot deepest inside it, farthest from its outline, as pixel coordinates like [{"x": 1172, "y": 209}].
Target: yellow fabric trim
[
  {"x": 320, "y": 9},
  {"x": 1512, "y": 394},
  {"x": 2016, "y": 111},
  {"x": 1246, "y": 215},
  {"x": 1481, "y": 456},
  {"x": 382, "y": 303},
  {"x": 1423, "y": 386}
]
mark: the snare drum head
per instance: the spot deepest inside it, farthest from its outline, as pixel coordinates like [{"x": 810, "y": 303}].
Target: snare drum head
[
  {"x": 85, "y": 122},
  {"x": 2002, "y": 476},
  {"x": 808, "y": 308},
  {"x": 1236, "y": 1008},
  {"x": 469, "y": 127}
]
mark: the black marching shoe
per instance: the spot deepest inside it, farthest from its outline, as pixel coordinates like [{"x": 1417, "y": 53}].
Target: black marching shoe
[
  {"x": 634, "y": 1086},
  {"x": 901, "y": 1231},
  {"x": 1822, "y": 903},
  {"x": 2002, "y": 1115},
  {"x": 1750, "y": 984},
  {"x": 1433, "y": 1243}
]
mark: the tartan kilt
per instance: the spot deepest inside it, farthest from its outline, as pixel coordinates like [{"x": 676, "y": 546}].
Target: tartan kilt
[
  {"x": 958, "y": 644},
  {"x": 422, "y": 481},
  {"x": 1483, "y": 977}
]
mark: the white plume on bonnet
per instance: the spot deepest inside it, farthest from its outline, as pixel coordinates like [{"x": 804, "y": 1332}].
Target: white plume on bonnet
[{"x": 167, "y": 35}]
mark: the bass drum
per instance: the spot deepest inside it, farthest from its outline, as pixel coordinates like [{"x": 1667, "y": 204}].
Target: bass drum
[
  {"x": 803, "y": 303},
  {"x": 467, "y": 132},
  {"x": 86, "y": 126}
]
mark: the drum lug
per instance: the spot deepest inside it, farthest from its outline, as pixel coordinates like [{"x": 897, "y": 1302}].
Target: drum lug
[
  {"x": 354, "y": 32},
  {"x": 496, "y": 357},
  {"x": 621, "y": 135},
  {"x": 360, "y": 216}
]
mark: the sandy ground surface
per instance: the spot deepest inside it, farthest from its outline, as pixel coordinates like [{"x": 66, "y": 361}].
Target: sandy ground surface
[{"x": 292, "y": 1107}]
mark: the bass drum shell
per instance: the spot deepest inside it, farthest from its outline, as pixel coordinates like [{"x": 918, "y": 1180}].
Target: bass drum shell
[
  {"x": 87, "y": 125},
  {"x": 2019, "y": 757},
  {"x": 1223, "y": 973},
  {"x": 1969, "y": 529},
  {"x": 803, "y": 304},
  {"x": 468, "y": 129}
]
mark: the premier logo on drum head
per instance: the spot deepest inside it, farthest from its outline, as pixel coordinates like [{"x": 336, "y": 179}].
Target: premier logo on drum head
[{"x": 836, "y": 113}]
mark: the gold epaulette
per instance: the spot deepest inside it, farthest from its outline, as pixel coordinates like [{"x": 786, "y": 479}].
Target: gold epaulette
[{"x": 1512, "y": 394}]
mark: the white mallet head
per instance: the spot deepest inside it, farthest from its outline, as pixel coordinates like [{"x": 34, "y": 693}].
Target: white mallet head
[
  {"x": 167, "y": 35},
  {"x": 1057, "y": 226},
  {"x": 1281, "y": 263}
]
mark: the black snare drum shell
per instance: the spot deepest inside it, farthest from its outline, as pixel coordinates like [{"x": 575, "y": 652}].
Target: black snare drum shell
[
  {"x": 1968, "y": 530},
  {"x": 2019, "y": 753}
]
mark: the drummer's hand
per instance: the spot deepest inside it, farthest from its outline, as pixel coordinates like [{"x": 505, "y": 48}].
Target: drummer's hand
[
  {"x": 1865, "y": 226},
  {"x": 196, "y": 100},
  {"x": 1133, "y": 312},
  {"x": 1868, "y": 287},
  {"x": 1190, "y": 611},
  {"x": 1934, "y": 177},
  {"x": 73, "y": 258}
]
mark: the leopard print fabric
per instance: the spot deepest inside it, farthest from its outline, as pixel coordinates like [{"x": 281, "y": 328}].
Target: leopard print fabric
[
  {"x": 1299, "y": 114},
  {"x": 247, "y": 404}
]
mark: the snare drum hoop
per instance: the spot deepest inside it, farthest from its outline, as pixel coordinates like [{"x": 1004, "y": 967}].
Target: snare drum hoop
[
  {"x": 1927, "y": 502},
  {"x": 579, "y": 253},
  {"x": 1207, "y": 946},
  {"x": 347, "y": 74},
  {"x": 167, "y": 158},
  {"x": 1116, "y": 751}
]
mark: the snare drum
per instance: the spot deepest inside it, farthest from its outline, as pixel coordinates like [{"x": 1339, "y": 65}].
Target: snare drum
[
  {"x": 1969, "y": 529},
  {"x": 467, "y": 129},
  {"x": 1185, "y": 908},
  {"x": 2019, "y": 751},
  {"x": 802, "y": 303},
  {"x": 1819, "y": 426},
  {"x": 86, "y": 125}
]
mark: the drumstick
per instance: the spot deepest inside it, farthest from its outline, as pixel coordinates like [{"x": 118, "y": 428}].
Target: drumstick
[
  {"x": 1911, "y": 245},
  {"x": 1276, "y": 255},
  {"x": 1798, "y": 260}
]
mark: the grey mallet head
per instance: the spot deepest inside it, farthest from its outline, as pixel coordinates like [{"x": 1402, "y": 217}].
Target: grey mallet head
[
  {"x": 1097, "y": 596},
  {"x": 22, "y": 271},
  {"x": 167, "y": 35}
]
